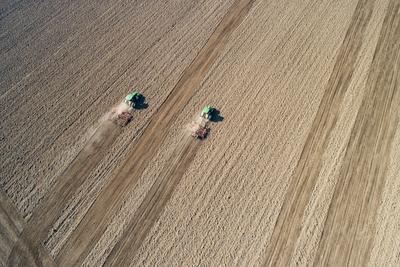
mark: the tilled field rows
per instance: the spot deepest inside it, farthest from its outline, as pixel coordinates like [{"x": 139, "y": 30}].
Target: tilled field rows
[
  {"x": 74, "y": 87},
  {"x": 234, "y": 199},
  {"x": 227, "y": 212},
  {"x": 301, "y": 170},
  {"x": 86, "y": 77}
]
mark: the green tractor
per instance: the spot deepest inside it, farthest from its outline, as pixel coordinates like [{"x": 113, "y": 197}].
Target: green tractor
[
  {"x": 135, "y": 100},
  {"x": 207, "y": 112}
]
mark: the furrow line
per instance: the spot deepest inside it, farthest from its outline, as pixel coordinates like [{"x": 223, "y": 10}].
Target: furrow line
[
  {"x": 287, "y": 228},
  {"x": 349, "y": 229},
  {"x": 35, "y": 231},
  {"x": 154, "y": 135},
  {"x": 152, "y": 205}
]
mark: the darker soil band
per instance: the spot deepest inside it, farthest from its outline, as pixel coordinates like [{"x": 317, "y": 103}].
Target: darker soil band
[
  {"x": 288, "y": 225},
  {"x": 351, "y": 222},
  {"x": 101, "y": 212}
]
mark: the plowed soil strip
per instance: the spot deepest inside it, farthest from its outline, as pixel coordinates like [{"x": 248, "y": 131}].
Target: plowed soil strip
[
  {"x": 99, "y": 215},
  {"x": 288, "y": 225},
  {"x": 72, "y": 178},
  {"x": 350, "y": 225},
  {"x": 11, "y": 225},
  {"x": 153, "y": 204}
]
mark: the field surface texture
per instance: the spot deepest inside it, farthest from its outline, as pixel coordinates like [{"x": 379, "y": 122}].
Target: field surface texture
[{"x": 300, "y": 168}]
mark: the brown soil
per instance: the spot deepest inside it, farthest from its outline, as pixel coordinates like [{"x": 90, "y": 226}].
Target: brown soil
[{"x": 302, "y": 170}]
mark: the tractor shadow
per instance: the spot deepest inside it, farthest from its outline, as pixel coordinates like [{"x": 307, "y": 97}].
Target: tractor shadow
[
  {"x": 141, "y": 104},
  {"x": 216, "y": 116}
]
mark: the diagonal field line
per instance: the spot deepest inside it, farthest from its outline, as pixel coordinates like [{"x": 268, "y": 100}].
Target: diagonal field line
[
  {"x": 288, "y": 224},
  {"x": 153, "y": 204},
  {"x": 43, "y": 218},
  {"x": 94, "y": 223},
  {"x": 11, "y": 226},
  {"x": 349, "y": 229}
]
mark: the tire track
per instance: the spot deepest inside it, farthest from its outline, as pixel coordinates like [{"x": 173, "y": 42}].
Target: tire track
[
  {"x": 288, "y": 224},
  {"x": 351, "y": 222},
  {"x": 96, "y": 220},
  {"x": 11, "y": 226},
  {"x": 70, "y": 180},
  {"x": 153, "y": 204}
]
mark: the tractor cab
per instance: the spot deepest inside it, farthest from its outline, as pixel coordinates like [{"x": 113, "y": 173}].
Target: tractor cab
[
  {"x": 207, "y": 112},
  {"x": 135, "y": 100}
]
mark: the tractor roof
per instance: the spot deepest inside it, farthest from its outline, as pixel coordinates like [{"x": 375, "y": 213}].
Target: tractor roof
[
  {"x": 207, "y": 109},
  {"x": 131, "y": 96}
]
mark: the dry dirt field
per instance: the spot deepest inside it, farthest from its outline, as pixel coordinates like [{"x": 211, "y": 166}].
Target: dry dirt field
[{"x": 302, "y": 169}]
